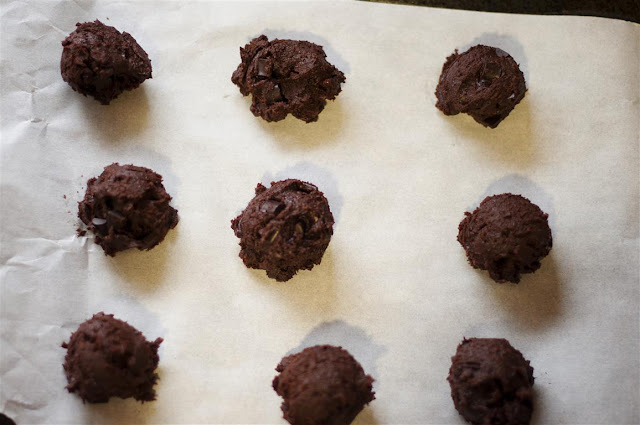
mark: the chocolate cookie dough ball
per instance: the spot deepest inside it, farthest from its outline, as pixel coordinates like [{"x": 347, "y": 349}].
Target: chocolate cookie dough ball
[
  {"x": 506, "y": 235},
  {"x": 286, "y": 77},
  {"x": 322, "y": 385},
  {"x": 127, "y": 207},
  {"x": 107, "y": 357},
  {"x": 100, "y": 61},
  {"x": 484, "y": 82},
  {"x": 284, "y": 229},
  {"x": 491, "y": 382}
]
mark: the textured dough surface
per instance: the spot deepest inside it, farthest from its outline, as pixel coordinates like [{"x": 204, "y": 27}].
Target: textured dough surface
[
  {"x": 127, "y": 207},
  {"x": 491, "y": 382},
  {"x": 286, "y": 77},
  {"x": 100, "y": 61},
  {"x": 284, "y": 229},
  {"x": 107, "y": 357},
  {"x": 484, "y": 82},
  {"x": 506, "y": 235},
  {"x": 322, "y": 385}
]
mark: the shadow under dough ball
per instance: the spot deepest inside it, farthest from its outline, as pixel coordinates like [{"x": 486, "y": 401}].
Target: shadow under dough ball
[
  {"x": 491, "y": 383},
  {"x": 507, "y": 235},
  {"x": 484, "y": 82},
  {"x": 322, "y": 385},
  {"x": 286, "y": 77},
  {"x": 107, "y": 357},
  {"x": 284, "y": 229},
  {"x": 127, "y": 207},
  {"x": 100, "y": 61}
]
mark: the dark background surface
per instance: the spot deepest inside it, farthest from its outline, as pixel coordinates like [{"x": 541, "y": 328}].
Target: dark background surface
[{"x": 620, "y": 9}]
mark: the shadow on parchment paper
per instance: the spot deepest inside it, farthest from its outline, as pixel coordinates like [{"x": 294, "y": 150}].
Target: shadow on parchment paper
[
  {"x": 120, "y": 411},
  {"x": 534, "y": 303},
  {"x": 321, "y": 177},
  {"x": 353, "y": 339},
  {"x": 511, "y": 142},
  {"x": 292, "y": 133},
  {"x": 125, "y": 116},
  {"x": 311, "y": 292},
  {"x": 367, "y": 416},
  {"x": 538, "y": 405},
  {"x": 144, "y": 269}
]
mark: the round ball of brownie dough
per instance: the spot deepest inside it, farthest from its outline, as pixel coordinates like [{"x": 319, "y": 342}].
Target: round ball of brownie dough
[
  {"x": 127, "y": 207},
  {"x": 107, "y": 357},
  {"x": 322, "y": 385},
  {"x": 484, "y": 82},
  {"x": 100, "y": 61},
  {"x": 286, "y": 77},
  {"x": 506, "y": 235},
  {"x": 491, "y": 382},
  {"x": 284, "y": 229}
]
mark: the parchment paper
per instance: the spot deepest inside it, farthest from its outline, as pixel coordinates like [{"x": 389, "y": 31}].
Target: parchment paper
[{"x": 394, "y": 287}]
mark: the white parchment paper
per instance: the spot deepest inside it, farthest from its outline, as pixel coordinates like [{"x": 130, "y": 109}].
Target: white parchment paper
[{"x": 394, "y": 287}]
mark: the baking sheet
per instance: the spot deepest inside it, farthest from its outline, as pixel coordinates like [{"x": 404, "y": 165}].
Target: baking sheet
[{"x": 394, "y": 287}]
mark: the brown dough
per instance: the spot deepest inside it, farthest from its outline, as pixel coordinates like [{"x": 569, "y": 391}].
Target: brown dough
[
  {"x": 127, "y": 207},
  {"x": 491, "y": 383},
  {"x": 100, "y": 61},
  {"x": 322, "y": 385},
  {"x": 107, "y": 357},
  {"x": 484, "y": 82},
  {"x": 286, "y": 77},
  {"x": 284, "y": 229},
  {"x": 506, "y": 235}
]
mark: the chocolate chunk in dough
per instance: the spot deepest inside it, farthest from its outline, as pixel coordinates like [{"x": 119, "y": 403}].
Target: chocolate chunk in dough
[
  {"x": 506, "y": 235},
  {"x": 100, "y": 61},
  {"x": 484, "y": 82},
  {"x": 491, "y": 383},
  {"x": 322, "y": 385},
  {"x": 107, "y": 357},
  {"x": 127, "y": 207},
  {"x": 286, "y": 77},
  {"x": 5, "y": 420},
  {"x": 284, "y": 229}
]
